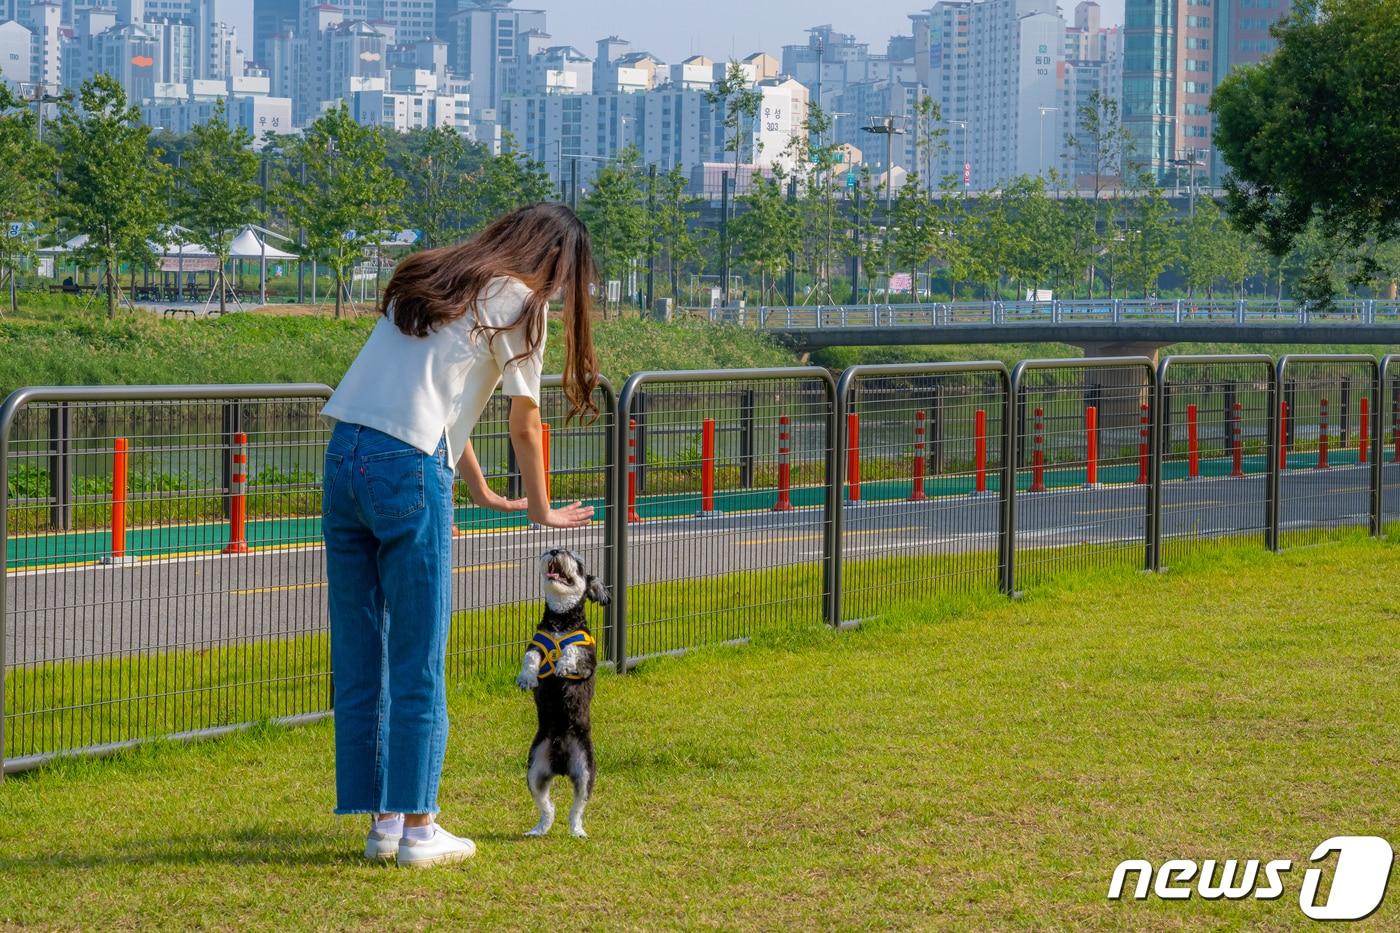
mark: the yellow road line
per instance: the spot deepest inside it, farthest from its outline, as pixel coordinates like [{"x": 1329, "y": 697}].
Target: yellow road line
[
  {"x": 816, "y": 536},
  {"x": 293, "y": 587}
]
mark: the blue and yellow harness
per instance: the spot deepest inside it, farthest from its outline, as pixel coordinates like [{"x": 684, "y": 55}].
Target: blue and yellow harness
[{"x": 551, "y": 648}]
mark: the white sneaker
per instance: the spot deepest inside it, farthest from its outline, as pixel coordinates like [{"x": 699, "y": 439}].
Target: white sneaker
[
  {"x": 381, "y": 847},
  {"x": 442, "y": 847}
]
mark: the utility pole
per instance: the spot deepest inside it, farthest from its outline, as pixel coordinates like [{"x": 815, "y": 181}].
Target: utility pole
[
  {"x": 724, "y": 238},
  {"x": 887, "y": 129}
]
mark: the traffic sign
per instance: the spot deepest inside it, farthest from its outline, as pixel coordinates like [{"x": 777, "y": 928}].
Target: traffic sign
[{"x": 850, "y": 179}]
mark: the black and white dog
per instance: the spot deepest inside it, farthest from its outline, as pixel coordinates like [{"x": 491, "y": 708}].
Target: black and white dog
[{"x": 559, "y": 666}]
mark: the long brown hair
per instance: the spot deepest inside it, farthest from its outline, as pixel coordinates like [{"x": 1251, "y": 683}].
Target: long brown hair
[{"x": 545, "y": 246}]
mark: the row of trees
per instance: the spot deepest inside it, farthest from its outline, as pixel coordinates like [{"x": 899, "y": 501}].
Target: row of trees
[{"x": 341, "y": 186}]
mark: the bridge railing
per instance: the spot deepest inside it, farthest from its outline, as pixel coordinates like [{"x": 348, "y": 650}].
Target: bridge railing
[
  {"x": 172, "y": 584},
  {"x": 1223, "y": 311}
]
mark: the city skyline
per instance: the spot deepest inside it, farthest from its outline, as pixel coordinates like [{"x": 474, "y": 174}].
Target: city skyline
[{"x": 696, "y": 29}]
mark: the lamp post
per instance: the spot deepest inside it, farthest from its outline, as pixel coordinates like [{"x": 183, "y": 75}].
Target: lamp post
[
  {"x": 40, "y": 96},
  {"x": 1043, "y": 111},
  {"x": 887, "y": 129}
]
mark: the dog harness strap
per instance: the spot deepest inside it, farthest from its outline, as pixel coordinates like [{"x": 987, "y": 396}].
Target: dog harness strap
[{"x": 550, "y": 650}]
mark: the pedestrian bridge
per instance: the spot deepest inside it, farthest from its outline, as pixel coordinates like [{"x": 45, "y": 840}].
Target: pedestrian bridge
[{"x": 1092, "y": 324}]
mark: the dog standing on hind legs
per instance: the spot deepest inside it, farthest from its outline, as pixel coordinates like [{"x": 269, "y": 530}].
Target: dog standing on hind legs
[{"x": 559, "y": 667}]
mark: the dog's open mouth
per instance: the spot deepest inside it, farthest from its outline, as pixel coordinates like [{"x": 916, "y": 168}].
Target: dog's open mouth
[{"x": 554, "y": 571}]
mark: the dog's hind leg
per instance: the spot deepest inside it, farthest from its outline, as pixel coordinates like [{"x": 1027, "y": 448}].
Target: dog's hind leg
[
  {"x": 581, "y": 772},
  {"x": 538, "y": 777}
]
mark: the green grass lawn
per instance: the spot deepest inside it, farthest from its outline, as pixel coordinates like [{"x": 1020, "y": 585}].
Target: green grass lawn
[{"x": 968, "y": 763}]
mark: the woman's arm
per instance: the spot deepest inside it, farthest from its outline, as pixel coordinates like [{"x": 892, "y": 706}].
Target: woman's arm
[
  {"x": 529, "y": 453},
  {"x": 483, "y": 495}
]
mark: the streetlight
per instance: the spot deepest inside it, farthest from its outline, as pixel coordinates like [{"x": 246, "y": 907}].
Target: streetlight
[
  {"x": 39, "y": 94},
  {"x": 1043, "y": 111},
  {"x": 1190, "y": 164},
  {"x": 888, "y": 130}
]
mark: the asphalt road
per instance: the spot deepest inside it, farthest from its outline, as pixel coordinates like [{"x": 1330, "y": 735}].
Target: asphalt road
[{"x": 200, "y": 602}]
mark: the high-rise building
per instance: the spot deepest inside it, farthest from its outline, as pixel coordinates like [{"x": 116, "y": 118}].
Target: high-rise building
[
  {"x": 16, "y": 54},
  {"x": 942, "y": 64},
  {"x": 1175, "y": 53},
  {"x": 44, "y": 20},
  {"x": 826, "y": 63},
  {"x": 1093, "y": 65},
  {"x": 1016, "y": 64},
  {"x": 271, "y": 18},
  {"x": 487, "y": 45}
]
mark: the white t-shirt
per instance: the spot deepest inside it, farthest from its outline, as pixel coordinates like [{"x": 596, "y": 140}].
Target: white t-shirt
[{"x": 416, "y": 388}]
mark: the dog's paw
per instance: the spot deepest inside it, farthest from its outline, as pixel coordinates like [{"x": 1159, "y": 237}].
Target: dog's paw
[
  {"x": 536, "y": 831},
  {"x": 577, "y": 832},
  {"x": 527, "y": 681}
]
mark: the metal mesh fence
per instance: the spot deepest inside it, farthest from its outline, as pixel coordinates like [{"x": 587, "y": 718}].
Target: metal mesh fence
[
  {"x": 163, "y": 572},
  {"x": 923, "y": 454},
  {"x": 722, "y": 481},
  {"x": 1213, "y": 429},
  {"x": 1388, "y": 434},
  {"x": 1083, "y": 454},
  {"x": 1324, "y": 479},
  {"x": 497, "y": 601}
]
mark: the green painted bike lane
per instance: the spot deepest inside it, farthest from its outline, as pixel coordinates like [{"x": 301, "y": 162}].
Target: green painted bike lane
[{"x": 28, "y": 552}]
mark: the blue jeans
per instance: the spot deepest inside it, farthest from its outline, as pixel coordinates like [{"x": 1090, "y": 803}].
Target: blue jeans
[{"x": 386, "y": 512}]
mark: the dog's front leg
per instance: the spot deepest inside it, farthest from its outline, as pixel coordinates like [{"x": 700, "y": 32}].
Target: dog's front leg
[{"x": 529, "y": 677}]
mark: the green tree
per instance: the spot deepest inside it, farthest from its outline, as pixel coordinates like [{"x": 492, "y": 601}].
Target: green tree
[
  {"x": 509, "y": 181},
  {"x": 1313, "y": 130},
  {"x": 434, "y": 167},
  {"x": 1100, "y": 140},
  {"x": 767, "y": 230},
  {"x": 816, "y": 158},
  {"x": 112, "y": 184},
  {"x": 26, "y": 177},
  {"x": 350, "y": 195},
  {"x": 616, "y": 218},
  {"x": 218, "y": 188},
  {"x": 676, "y": 236},
  {"x": 739, "y": 101},
  {"x": 915, "y": 239},
  {"x": 1150, "y": 240}
]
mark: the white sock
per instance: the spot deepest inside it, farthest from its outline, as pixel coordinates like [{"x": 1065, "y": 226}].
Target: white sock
[
  {"x": 393, "y": 826},
  {"x": 419, "y": 833}
]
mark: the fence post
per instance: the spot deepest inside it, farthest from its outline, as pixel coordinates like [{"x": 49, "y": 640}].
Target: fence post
[
  {"x": 746, "y": 439},
  {"x": 1278, "y": 413},
  {"x": 1091, "y": 442},
  {"x": 1011, "y": 418},
  {"x": 119, "y": 469},
  {"x": 238, "y": 495},
  {"x": 60, "y": 467},
  {"x": 639, "y": 413},
  {"x": 852, "y": 455},
  {"x": 232, "y": 425},
  {"x": 833, "y": 509},
  {"x": 917, "y": 494}
]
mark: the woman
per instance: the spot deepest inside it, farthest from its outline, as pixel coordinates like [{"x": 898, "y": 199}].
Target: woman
[{"x": 456, "y": 322}]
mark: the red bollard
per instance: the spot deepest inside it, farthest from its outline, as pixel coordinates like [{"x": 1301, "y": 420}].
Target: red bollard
[
  {"x": 1283, "y": 436},
  {"x": 1365, "y": 429},
  {"x": 119, "y": 497},
  {"x": 852, "y": 457},
  {"x": 238, "y": 498},
  {"x": 544, "y": 455},
  {"x": 979, "y": 448},
  {"x": 1395, "y": 432},
  {"x": 1193, "y": 448},
  {"x": 1322, "y": 440},
  {"x": 1091, "y": 444},
  {"x": 918, "y": 494},
  {"x": 707, "y": 467},
  {"x": 1038, "y": 453},
  {"x": 784, "y": 503},
  {"x": 632, "y": 515},
  {"x": 1237, "y": 440},
  {"x": 1142, "y": 478}
]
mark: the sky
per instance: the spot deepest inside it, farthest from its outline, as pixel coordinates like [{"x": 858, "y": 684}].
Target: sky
[{"x": 674, "y": 29}]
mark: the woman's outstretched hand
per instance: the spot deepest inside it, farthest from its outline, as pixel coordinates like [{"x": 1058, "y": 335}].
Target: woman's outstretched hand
[
  {"x": 499, "y": 503},
  {"x": 574, "y": 515}
]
